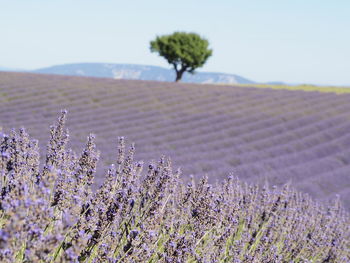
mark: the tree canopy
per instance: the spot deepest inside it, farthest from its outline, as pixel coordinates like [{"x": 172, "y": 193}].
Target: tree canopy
[{"x": 184, "y": 51}]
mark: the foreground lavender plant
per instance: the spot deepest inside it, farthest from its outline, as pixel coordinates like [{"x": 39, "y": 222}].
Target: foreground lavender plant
[{"x": 52, "y": 215}]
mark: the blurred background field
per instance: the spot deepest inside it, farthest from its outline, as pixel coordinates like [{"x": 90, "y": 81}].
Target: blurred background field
[
  {"x": 334, "y": 89},
  {"x": 258, "y": 134}
]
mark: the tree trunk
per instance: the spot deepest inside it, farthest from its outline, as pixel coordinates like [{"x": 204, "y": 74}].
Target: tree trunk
[{"x": 179, "y": 74}]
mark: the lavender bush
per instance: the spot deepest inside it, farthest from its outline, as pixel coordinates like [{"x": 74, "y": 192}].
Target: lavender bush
[{"x": 147, "y": 214}]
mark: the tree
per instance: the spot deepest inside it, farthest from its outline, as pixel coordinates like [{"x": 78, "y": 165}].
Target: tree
[{"x": 185, "y": 51}]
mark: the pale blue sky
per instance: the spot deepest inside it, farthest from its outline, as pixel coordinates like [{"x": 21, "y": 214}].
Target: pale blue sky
[{"x": 299, "y": 41}]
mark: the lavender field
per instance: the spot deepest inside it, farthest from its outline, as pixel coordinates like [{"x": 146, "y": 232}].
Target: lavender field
[
  {"x": 146, "y": 213},
  {"x": 261, "y": 135}
]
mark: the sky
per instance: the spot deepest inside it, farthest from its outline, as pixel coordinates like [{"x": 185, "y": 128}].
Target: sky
[{"x": 295, "y": 41}]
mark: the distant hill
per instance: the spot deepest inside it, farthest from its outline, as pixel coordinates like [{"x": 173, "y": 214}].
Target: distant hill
[{"x": 139, "y": 72}]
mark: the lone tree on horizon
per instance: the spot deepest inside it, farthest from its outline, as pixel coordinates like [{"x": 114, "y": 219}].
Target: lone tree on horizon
[{"x": 185, "y": 51}]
